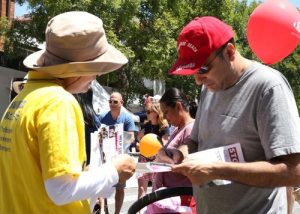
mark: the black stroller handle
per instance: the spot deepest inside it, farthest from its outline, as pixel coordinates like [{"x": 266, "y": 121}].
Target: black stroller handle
[{"x": 158, "y": 195}]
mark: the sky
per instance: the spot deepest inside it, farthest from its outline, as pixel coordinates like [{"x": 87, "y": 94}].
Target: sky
[
  {"x": 21, "y": 10},
  {"x": 295, "y": 2}
]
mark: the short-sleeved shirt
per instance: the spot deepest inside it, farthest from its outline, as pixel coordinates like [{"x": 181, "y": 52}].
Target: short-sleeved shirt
[
  {"x": 260, "y": 113},
  {"x": 41, "y": 137},
  {"x": 124, "y": 117}
]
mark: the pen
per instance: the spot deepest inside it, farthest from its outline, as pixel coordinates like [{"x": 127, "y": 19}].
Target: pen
[
  {"x": 164, "y": 147},
  {"x": 160, "y": 164}
]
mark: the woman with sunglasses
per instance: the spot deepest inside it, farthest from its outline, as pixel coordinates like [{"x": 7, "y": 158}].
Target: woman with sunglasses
[
  {"x": 175, "y": 107},
  {"x": 156, "y": 124}
]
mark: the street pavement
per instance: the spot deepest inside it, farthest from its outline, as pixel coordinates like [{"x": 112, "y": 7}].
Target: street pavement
[
  {"x": 130, "y": 198},
  {"x": 131, "y": 195}
]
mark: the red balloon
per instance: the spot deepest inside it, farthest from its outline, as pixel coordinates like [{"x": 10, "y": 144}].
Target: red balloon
[{"x": 273, "y": 30}]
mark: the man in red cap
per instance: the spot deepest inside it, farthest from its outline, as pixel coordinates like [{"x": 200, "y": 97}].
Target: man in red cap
[{"x": 245, "y": 102}]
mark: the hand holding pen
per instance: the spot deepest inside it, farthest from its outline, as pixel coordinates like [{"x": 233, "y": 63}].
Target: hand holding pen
[
  {"x": 174, "y": 156},
  {"x": 171, "y": 156}
]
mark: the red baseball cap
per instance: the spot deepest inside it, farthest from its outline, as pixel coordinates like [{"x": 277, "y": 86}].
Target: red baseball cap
[{"x": 197, "y": 41}]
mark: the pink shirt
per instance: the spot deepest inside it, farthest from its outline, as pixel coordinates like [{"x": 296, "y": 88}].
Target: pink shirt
[{"x": 170, "y": 179}]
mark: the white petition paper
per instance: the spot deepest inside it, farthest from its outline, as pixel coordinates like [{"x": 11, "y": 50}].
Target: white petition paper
[
  {"x": 152, "y": 167},
  {"x": 230, "y": 153}
]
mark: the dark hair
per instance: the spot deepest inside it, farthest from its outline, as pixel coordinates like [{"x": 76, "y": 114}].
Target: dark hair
[
  {"x": 85, "y": 101},
  {"x": 231, "y": 41},
  {"x": 193, "y": 109},
  {"x": 174, "y": 95},
  {"x": 223, "y": 46}
]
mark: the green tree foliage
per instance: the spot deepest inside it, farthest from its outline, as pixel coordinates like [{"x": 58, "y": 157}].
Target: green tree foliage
[{"x": 146, "y": 31}]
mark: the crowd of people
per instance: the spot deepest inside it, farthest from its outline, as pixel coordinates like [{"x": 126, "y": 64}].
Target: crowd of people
[{"x": 45, "y": 133}]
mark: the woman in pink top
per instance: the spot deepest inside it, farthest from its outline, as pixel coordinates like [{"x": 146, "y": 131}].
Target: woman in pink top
[{"x": 175, "y": 107}]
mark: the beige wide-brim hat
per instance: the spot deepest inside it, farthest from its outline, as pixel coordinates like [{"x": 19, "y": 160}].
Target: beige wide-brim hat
[{"x": 76, "y": 45}]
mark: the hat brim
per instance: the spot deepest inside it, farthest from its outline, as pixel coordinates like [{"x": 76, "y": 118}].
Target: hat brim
[
  {"x": 185, "y": 67},
  {"x": 111, "y": 60}
]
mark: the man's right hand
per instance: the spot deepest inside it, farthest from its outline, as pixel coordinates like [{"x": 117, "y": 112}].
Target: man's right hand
[{"x": 125, "y": 166}]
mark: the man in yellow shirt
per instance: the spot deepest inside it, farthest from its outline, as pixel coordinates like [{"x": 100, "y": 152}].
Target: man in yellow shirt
[{"x": 42, "y": 148}]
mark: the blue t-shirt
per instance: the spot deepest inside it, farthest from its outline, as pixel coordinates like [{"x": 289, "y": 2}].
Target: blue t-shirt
[{"x": 124, "y": 118}]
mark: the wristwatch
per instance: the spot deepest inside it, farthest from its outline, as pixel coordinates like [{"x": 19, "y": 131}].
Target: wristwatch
[{"x": 119, "y": 185}]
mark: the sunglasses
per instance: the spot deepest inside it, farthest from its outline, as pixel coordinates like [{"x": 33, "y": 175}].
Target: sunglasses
[
  {"x": 148, "y": 111},
  {"x": 113, "y": 101},
  {"x": 205, "y": 69}
]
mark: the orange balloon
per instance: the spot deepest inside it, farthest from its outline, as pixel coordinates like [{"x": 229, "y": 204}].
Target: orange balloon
[{"x": 149, "y": 145}]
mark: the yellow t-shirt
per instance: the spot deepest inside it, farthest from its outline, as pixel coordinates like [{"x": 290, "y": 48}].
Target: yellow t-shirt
[{"x": 41, "y": 137}]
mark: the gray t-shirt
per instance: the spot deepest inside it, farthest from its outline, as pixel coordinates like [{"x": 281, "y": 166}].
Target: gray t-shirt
[{"x": 260, "y": 113}]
